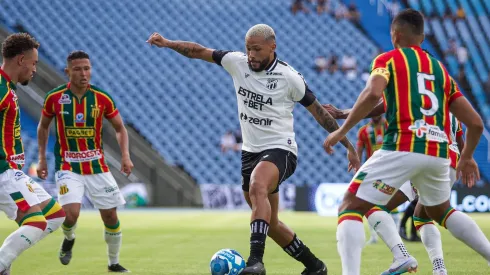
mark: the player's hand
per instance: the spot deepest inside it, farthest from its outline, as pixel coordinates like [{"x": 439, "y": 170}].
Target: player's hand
[
  {"x": 354, "y": 162},
  {"x": 126, "y": 166},
  {"x": 332, "y": 139},
  {"x": 333, "y": 111},
  {"x": 467, "y": 170},
  {"x": 42, "y": 169},
  {"x": 157, "y": 40}
]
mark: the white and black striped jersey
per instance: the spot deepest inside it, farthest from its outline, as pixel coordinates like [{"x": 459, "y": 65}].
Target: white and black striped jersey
[{"x": 265, "y": 101}]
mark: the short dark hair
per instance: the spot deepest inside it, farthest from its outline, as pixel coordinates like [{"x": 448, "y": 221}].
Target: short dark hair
[
  {"x": 412, "y": 19},
  {"x": 18, "y": 43},
  {"x": 77, "y": 55}
]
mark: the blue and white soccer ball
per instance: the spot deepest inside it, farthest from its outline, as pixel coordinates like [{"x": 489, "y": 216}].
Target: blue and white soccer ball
[{"x": 226, "y": 262}]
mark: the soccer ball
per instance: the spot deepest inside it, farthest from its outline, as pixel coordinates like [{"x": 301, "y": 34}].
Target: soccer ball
[{"x": 226, "y": 262}]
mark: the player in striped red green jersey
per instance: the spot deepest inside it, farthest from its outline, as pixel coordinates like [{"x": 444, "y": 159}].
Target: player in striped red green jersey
[
  {"x": 22, "y": 199},
  {"x": 79, "y": 109},
  {"x": 370, "y": 136},
  {"x": 418, "y": 93},
  {"x": 378, "y": 216}
]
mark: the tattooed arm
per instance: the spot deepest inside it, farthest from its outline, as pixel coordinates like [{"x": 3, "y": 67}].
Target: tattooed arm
[
  {"x": 326, "y": 120},
  {"x": 187, "y": 49}
]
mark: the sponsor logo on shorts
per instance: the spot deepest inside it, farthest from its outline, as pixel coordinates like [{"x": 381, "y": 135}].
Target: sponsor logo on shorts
[
  {"x": 111, "y": 189},
  {"x": 80, "y": 132},
  {"x": 63, "y": 189},
  {"x": 62, "y": 174},
  {"x": 383, "y": 187},
  {"x": 17, "y": 159},
  {"x": 431, "y": 132},
  {"x": 82, "y": 156}
]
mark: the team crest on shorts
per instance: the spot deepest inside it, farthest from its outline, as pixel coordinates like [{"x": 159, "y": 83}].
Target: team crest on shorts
[
  {"x": 64, "y": 189},
  {"x": 383, "y": 187}
]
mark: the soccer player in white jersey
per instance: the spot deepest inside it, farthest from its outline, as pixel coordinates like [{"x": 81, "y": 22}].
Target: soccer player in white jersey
[{"x": 267, "y": 89}]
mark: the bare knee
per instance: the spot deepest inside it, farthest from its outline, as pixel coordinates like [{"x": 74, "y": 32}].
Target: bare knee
[
  {"x": 258, "y": 190},
  {"x": 109, "y": 216},
  {"x": 437, "y": 212}
]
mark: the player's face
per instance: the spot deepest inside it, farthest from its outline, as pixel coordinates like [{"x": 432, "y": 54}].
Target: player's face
[
  {"x": 79, "y": 72},
  {"x": 27, "y": 63},
  {"x": 259, "y": 52}
]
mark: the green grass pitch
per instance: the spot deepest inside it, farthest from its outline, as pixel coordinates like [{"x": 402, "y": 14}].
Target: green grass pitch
[{"x": 182, "y": 242}]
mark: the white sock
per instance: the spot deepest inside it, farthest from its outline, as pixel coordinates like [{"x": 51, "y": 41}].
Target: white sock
[
  {"x": 113, "y": 238},
  {"x": 17, "y": 242},
  {"x": 53, "y": 225},
  {"x": 69, "y": 232},
  {"x": 350, "y": 241},
  {"x": 384, "y": 225},
  {"x": 466, "y": 230},
  {"x": 431, "y": 238}
]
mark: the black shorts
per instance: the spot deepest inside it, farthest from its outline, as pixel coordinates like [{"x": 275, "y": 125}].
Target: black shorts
[{"x": 283, "y": 159}]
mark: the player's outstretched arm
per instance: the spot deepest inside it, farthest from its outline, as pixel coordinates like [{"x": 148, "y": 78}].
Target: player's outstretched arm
[
  {"x": 42, "y": 142},
  {"x": 330, "y": 124},
  {"x": 185, "y": 48},
  {"x": 123, "y": 141},
  {"x": 337, "y": 113}
]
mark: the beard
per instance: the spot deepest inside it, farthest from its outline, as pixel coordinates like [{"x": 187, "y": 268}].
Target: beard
[{"x": 262, "y": 66}]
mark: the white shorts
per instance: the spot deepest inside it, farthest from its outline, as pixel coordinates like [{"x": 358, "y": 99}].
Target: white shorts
[
  {"x": 386, "y": 171},
  {"x": 411, "y": 192},
  {"x": 19, "y": 191},
  {"x": 101, "y": 188}
]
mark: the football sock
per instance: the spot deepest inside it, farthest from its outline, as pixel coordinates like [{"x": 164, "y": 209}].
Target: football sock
[
  {"x": 350, "y": 241},
  {"x": 69, "y": 231},
  {"x": 113, "y": 238},
  {"x": 431, "y": 238},
  {"x": 258, "y": 232},
  {"x": 54, "y": 214},
  {"x": 384, "y": 225},
  {"x": 298, "y": 250},
  {"x": 466, "y": 230},
  {"x": 29, "y": 233}
]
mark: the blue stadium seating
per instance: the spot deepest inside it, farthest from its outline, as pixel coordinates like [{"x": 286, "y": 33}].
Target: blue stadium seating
[{"x": 184, "y": 106}]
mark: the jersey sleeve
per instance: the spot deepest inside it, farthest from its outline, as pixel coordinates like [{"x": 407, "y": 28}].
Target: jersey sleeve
[
  {"x": 110, "y": 110},
  {"x": 48, "y": 106},
  {"x": 379, "y": 66},
  {"x": 299, "y": 90},
  {"x": 227, "y": 59},
  {"x": 455, "y": 92},
  {"x": 459, "y": 131}
]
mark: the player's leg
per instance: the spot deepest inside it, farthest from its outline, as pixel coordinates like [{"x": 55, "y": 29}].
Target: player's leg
[
  {"x": 374, "y": 184},
  {"x": 262, "y": 173},
  {"x": 435, "y": 198},
  {"x": 406, "y": 216},
  {"x": 106, "y": 196},
  {"x": 70, "y": 195},
  {"x": 431, "y": 238},
  {"x": 289, "y": 241},
  {"x": 20, "y": 203},
  {"x": 382, "y": 222},
  {"x": 51, "y": 209}
]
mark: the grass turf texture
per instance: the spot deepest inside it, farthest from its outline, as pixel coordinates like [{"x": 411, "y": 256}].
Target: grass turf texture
[{"x": 182, "y": 242}]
